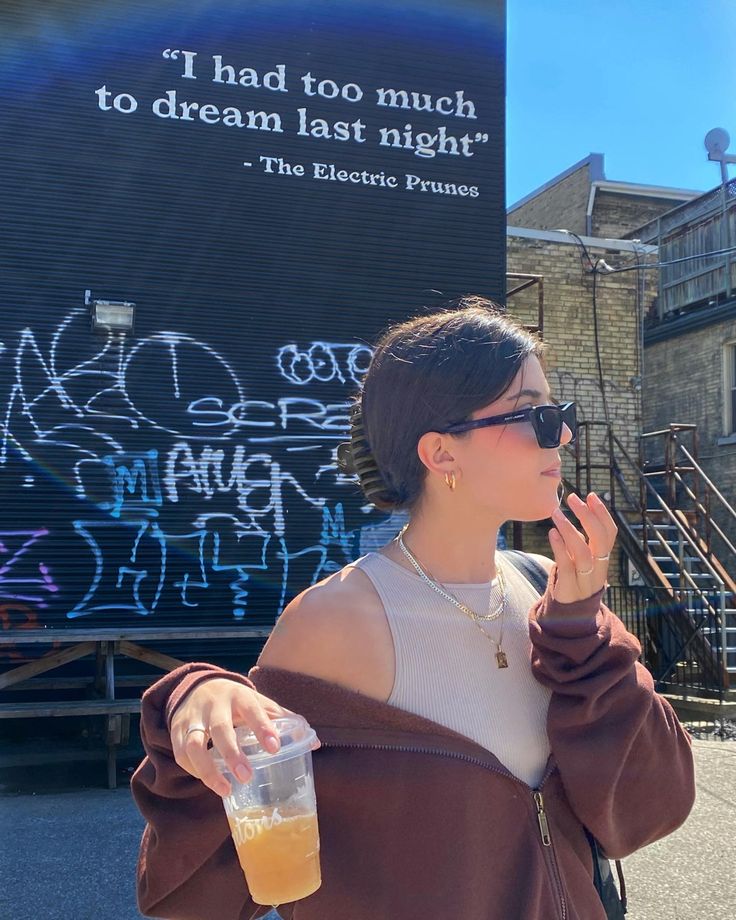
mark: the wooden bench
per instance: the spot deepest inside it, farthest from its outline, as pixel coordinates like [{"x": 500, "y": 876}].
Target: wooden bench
[
  {"x": 69, "y": 708},
  {"x": 106, "y": 646}
]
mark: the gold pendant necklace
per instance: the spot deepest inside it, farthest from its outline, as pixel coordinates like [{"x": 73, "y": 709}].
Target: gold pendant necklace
[{"x": 501, "y": 659}]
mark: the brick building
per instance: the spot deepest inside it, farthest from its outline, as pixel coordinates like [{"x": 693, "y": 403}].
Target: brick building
[
  {"x": 569, "y": 331},
  {"x": 690, "y": 336},
  {"x": 599, "y": 216},
  {"x": 648, "y": 355},
  {"x": 582, "y": 200}
]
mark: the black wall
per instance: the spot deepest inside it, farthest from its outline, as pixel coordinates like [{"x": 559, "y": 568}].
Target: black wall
[{"x": 184, "y": 474}]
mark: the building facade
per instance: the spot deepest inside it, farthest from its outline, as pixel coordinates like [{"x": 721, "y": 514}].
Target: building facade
[
  {"x": 596, "y": 364},
  {"x": 582, "y": 200},
  {"x": 640, "y": 349},
  {"x": 690, "y": 337}
]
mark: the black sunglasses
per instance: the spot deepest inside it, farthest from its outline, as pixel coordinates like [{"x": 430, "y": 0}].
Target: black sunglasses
[{"x": 547, "y": 422}]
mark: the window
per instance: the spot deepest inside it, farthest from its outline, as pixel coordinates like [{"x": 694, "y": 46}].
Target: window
[{"x": 730, "y": 388}]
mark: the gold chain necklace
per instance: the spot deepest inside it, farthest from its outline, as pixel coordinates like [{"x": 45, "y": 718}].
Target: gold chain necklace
[{"x": 501, "y": 659}]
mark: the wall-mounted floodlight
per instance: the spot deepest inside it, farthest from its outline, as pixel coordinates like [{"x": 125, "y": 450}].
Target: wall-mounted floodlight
[{"x": 110, "y": 315}]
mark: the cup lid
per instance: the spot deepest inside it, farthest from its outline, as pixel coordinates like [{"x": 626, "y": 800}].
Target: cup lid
[{"x": 296, "y": 734}]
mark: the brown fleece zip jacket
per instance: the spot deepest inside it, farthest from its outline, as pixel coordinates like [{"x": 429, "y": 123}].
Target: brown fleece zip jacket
[{"x": 417, "y": 822}]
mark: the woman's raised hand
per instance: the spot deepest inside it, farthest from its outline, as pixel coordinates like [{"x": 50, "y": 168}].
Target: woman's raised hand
[
  {"x": 582, "y": 566},
  {"x": 218, "y": 705}
]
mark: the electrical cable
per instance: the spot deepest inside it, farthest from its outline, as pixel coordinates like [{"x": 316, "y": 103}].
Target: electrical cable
[
  {"x": 592, "y": 269},
  {"x": 592, "y": 266},
  {"x": 629, "y": 268},
  {"x": 584, "y": 250},
  {"x": 595, "y": 269}
]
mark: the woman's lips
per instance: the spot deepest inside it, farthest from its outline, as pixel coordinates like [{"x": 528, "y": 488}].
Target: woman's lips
[{"x": 554, "y": 472}]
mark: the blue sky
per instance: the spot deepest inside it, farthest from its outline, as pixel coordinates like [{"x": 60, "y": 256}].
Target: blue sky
[{"x": 640, "y": 81}]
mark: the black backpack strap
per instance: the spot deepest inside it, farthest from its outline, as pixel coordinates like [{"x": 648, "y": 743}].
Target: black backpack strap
[
  {"x": 613, "y": 899},
  {"x": 532, "y": 570}
]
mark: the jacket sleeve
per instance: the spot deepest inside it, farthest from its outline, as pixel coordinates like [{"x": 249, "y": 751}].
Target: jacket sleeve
[
  {"x": 624, "y": 759},
  {"x": 187, "y": 867}
]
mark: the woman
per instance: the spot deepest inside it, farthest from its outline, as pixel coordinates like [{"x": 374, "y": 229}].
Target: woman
[{"x": 470, "y": 729}]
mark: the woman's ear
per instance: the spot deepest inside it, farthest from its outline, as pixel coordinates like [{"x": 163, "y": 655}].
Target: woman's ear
[{"x": 435, "y": 452}]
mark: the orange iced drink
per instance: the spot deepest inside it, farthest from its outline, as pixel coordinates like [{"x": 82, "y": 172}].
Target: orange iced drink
[
  {"x": 273, "y": 817},
  {"x": 278, "y": 850}
]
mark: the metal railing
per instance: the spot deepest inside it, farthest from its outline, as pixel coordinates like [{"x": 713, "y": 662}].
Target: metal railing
[
  {"x": 697, "y": 499},
  {"x": 687, "y": 539},
  {"x": 705, "y": 510},
  {"x": 517, "y": 283},
  {"x": 697, "y": 615},
  {"x": 655, "y": 617}
]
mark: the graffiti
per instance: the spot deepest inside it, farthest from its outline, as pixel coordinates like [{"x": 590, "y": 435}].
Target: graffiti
[
  {"x": 20, "y": 579},
  {"x": 39, "y": 396},
  {"x": 258, "y": 480},
  {"x": 336, "y": 547},
  {"x": 135, "y": 476},
  {"x": 217, "y": 502},
  {"x": 65, "y": 407},
  {"x": 234, "y": 544},
  {"x": 136, "y": 562},
  {"x": 324, "y": 362},
  {"x": 25, "y": 586},
  {"x": 135, "y": 559},
  {"x": 189, "y": 524},
  {"x": 287, "y": 412},
  {"x": 186, "y": 362},
  {"x": 120, "y": 586},
  {"x": 16, "y": 616}
]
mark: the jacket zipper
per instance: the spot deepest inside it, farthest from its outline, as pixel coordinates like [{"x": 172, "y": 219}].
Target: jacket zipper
[
  {"x": 536, "y": 795},
  {"x": 547, "y": 842},
  {"x": 542, "y": 818}
]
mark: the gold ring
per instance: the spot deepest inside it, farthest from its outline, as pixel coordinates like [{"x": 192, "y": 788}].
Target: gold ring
[
  {"x": 602, "y": 558},
  {"x": 584, "y": 573}
]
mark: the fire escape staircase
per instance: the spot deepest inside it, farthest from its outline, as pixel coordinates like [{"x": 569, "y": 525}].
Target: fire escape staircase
[{"x": 686, "y": 561}]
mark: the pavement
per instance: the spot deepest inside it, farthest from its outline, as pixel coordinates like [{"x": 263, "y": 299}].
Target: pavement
[{"x": 71, "y": 855}]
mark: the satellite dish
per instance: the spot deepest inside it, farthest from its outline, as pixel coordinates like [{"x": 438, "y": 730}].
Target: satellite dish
[{"x": 717, "y": 141}]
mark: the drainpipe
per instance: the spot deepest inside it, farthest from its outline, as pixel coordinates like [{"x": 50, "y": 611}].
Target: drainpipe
[{"x": 589, "y": 210}]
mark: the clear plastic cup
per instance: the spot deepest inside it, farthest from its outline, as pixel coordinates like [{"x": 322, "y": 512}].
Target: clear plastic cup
[{"x": 273, "y": 818}]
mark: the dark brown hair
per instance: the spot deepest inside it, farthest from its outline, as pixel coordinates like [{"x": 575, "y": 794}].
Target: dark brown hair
[{"x": 426, "y": 373}]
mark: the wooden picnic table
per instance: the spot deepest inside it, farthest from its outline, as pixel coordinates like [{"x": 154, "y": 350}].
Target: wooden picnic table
[{"x": 106, "y": 645}]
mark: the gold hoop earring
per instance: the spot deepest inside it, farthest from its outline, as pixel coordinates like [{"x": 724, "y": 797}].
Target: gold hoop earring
[{"x": 450, "y": 480}]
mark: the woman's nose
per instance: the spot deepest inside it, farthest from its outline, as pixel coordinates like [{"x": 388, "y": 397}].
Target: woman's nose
[{"x": 566, "y": 435}]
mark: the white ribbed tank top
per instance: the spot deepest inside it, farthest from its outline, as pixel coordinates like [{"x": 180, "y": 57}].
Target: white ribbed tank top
[{"x": 446, "y": 670}]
